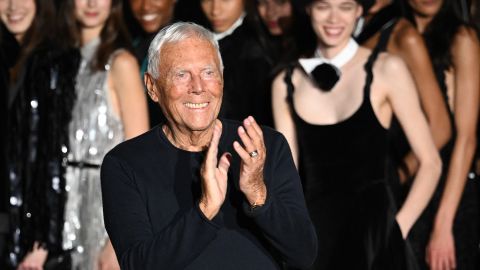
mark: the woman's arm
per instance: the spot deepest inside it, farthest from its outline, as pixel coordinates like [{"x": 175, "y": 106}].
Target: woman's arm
[
  {"x": 131, "y": 104},
  {"x": 282, "y": 115},
  {"x": 404, "y": 101},
  {"x": 411, "y": 48},
  {"x": 465, "y": 56},
  {"x": 129, "y": 94}
]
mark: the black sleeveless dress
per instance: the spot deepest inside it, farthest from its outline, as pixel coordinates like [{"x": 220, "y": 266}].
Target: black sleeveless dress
[{"x": 344, "y": 182}]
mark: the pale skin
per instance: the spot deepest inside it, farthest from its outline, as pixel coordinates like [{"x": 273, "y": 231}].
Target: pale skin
[
  {"x": 463, "y": 92},
  {"x": 325, "y": 108},
  {"x": 190, "y": 94},
  {"x": 129, "y": 104},
  {"x": 408, "y": 44}
]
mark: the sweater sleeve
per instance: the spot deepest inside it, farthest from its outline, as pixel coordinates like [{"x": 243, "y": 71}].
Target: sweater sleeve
[
  {"x": 284, "y": 217},
  {"x": 127, "y": 222}
]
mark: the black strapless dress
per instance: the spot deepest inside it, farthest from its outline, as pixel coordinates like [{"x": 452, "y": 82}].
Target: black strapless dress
[{"x": 350, "y": 203}]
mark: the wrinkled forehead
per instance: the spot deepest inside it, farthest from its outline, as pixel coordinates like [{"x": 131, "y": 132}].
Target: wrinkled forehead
[{"x": 189, "y": 53}]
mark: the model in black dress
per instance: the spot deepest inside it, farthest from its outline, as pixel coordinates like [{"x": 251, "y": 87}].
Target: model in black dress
[
  {"x": 345, "y": 188},
  {"x": 340, "y": 137}
]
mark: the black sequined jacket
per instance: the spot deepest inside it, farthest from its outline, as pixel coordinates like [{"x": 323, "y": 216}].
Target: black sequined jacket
[{"x": 40, "y": 105}]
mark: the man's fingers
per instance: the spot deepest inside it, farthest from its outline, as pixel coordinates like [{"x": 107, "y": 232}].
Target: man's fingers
[
  {"x": 246, "y": 140},
  {"x": 453, "y": 262},
  {"x": 213, "y": 147},
  {"x": 241, "y": 151},
  {"x": 255, "y": 125},
  {"x": 224, "y": 163},
  {"x": 254, "y": 132}
]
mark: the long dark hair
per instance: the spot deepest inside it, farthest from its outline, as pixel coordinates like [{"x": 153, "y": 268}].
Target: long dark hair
[
  {"x": 37, "y": 34},
  {"x": 113, "y": 36},
  {"x": 440, "y": 32}
]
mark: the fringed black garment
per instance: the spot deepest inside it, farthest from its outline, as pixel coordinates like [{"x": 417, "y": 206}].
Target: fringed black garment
[{"x": 40, "y": 109}]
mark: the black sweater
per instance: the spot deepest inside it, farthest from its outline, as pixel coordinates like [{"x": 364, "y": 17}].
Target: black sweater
[{"x": 150, "y": 196}]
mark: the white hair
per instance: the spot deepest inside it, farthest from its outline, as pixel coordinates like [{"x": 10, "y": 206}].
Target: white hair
[{"x": 174, "y": 33}]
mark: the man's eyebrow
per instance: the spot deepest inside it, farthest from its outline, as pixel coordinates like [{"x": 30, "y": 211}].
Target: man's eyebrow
[{"x": 209, "y": 67}]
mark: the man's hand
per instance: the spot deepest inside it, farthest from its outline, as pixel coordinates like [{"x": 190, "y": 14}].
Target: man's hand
[
  {"x": 35, "y": 259},
  {"x": 108, "y": 259},
  {"x": 214, "y": 176},
  {"x": 253, "y": 160},
  {"x": 441, "y": 250}
]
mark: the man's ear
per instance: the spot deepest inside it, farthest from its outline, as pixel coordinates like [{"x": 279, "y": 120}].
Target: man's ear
[{"x": 152, "y": 88}]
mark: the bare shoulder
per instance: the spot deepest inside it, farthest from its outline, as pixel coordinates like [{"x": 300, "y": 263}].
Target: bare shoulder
[
  {"x": 406, "y": 35},
  {"x": 296, "y": 75},
  {"x": 279, "y": 77},
  {"x": 123, "y": 61},
  {"x": 389, "y": 67},
  {"x": 466, "y": 37}
]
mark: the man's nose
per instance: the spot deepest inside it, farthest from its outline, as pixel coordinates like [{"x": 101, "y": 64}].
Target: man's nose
[{"x": 197, "y": 85}]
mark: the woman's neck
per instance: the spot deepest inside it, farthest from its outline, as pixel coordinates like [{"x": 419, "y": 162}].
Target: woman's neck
[
  {"x": 422, "y": 22},
  {"x": 330, "y": 52},
  {"x": 193, "y": 141},
  {"x": 89, "y": 34}
]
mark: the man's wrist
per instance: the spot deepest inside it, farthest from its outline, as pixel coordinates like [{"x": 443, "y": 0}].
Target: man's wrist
[
  {"x": 207, "y": 212},
  {"x": 258, "y": 197}
]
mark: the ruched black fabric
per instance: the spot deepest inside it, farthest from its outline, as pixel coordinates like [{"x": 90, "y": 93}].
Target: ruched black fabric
[{"x": 348, "y": 198}]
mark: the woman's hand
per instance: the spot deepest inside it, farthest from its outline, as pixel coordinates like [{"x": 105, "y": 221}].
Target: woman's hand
[
  {"x": 441, "y": 250},
  {"x": 214, "y": 176},
  {"x": 35, "y": 259},
  {"x": 108, "y": 259},
  {"x": 253, "y": 160}
]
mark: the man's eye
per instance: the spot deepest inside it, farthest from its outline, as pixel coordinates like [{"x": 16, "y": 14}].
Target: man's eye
[
  {"x": 182, "y": 76},
  {"x": 208, "y": 74}
]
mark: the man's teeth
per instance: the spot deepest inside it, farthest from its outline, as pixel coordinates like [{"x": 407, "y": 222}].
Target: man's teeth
[
  {"x": 196, "y": 105},
  {"x": 149, "y": 17}
]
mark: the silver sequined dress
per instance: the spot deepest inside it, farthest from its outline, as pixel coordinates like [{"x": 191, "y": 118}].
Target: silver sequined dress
[{"x": 93, "y": 131}]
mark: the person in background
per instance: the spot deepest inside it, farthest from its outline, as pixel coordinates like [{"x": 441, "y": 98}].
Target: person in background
[
  {"x": 285, "y": 27},
  {"x": 145, "y": 18},
  {"x": 335, "y": 109},
  {"x": 277, "y": 17},
  {"x": 110, "y": 107},
  {"x": 226, "y": 196},
  {"x": 247, "y": 67},
  {"x": 39, "y": 76},
  {"x": 8, "y": 51},
  {"x": 451, "y": 237},
  {"x": 386, "y": 28}
]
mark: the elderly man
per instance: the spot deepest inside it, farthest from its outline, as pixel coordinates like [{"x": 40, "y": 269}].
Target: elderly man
[{"x": 197, "y": 192}]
